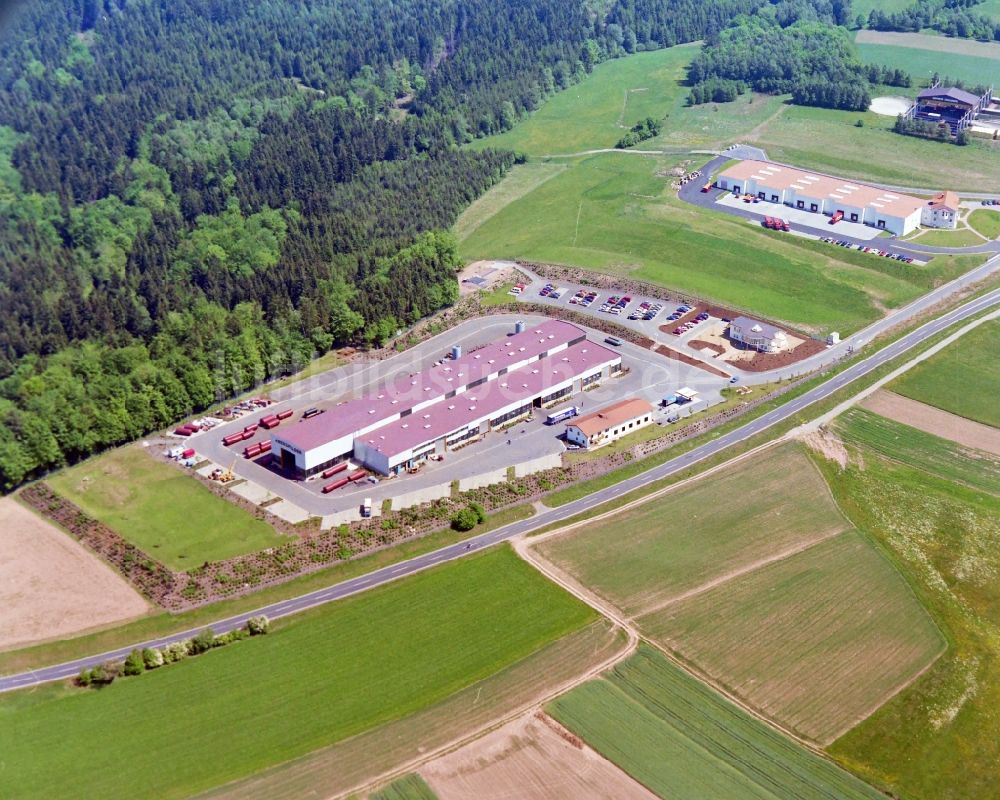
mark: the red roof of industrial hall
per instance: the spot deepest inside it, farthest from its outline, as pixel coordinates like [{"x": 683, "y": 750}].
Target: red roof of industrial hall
[
  {"x": 523, "y": 384},
  {"x": 404, "y": 390},
  {"x": 827, "y": 187}
]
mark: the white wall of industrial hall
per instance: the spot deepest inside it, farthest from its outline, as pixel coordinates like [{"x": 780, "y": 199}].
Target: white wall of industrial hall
[{"x": 405, "y": 420}]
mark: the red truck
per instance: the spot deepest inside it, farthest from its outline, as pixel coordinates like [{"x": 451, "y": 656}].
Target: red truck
[
  {"x": 189, "y": 453},
  {"x": 837, "y": 217},
  {"x": 335, "y": 485}
]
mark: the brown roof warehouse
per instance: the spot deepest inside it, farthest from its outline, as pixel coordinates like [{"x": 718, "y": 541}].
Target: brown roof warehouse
[{"x": 610, "y": 423}]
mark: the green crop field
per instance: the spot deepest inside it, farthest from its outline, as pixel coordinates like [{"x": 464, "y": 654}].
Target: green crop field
[
  {"x": 615, "y": 213},
  {"x": 964, "y": 378},
  {"x": 599, "y": 110},
  {"x": 939, "y": 737},
  {"x": 919, "y": 449},
  {"x": 409, "y": 787},
  {"x": 922, "y": 64},
  {"x": 319, "y": 678},
  {"x": 816, "y": 641},
  {"x": 683, "y": 741},
  {"x": 647, "y": 556},
  {"x": 986, "y": 221},
  {"x": 160, "y": 509},
  {"x": 827, "y": 140}
]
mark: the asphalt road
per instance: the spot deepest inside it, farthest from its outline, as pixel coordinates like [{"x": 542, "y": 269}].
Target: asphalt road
[{"x": 409, "y": 567}]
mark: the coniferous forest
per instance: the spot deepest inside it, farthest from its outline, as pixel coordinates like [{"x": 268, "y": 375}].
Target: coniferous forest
[{"x": 198, "y": 195}]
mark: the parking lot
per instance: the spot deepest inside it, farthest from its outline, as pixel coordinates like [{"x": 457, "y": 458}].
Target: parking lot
[{"x": 644, "y": 314}]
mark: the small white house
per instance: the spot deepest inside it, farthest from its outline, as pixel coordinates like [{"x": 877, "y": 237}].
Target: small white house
[
  {"x": 758, "y": 335},
  {"x": 610, "y": 423},
  {"x": 941, "y": 211}
]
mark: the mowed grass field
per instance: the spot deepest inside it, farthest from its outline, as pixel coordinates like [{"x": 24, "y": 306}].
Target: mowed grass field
[
  {"x": 599, "y": 110},
  {"x": 692, "y": 537},
  {"x": 986, "y": 221},
  {"x": 919, "y": 449},
  {"x": 683, "y": 741},
  {"x": 614, "y": 213},
  {"x": 964, "y": 378},
  {"x": 162, "y": 510},
  {"x": 318, "y": 678},
  {"x": 939, "y": 737},
  {"x": 817, "y": 641}
]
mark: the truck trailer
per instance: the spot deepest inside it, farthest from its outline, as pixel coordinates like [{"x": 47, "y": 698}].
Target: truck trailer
[{"x": 559, "y": 416}]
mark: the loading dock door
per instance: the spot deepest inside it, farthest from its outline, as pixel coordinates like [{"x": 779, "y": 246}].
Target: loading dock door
[{"x": 288, "y": 460}]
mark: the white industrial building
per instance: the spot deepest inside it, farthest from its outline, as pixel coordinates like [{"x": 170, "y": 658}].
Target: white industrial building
[
  {"x": 823, "y": 194},
  {"x": 448, "y": 404},
  {"x": 610, "y": 423}
]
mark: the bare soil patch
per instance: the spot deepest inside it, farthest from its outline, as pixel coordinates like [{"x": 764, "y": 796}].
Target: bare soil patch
[
  {"x": 933, "y": 420},
  {"x": 698, "y": 344},
  {"x": 531, "y": 758},
  {"x": 51, "y": 586},
  {"x": 684, "y": 358},
  {"x": 828, "y": 445},
  {"x": 493, "y": 273},
  {"x": 890, "y": 106}
]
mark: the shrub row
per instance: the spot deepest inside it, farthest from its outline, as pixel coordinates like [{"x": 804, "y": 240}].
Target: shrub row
[{"x": 139, "y": 661}]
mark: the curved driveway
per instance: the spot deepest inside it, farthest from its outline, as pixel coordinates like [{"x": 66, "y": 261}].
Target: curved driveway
[{"x": 418, "y": 563}]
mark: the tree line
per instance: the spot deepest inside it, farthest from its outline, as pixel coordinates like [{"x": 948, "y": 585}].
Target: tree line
[
  {"x": 196, "y": 196},
  {"x": 957, "y": 18},
  {"x": 799, "y": 49}
]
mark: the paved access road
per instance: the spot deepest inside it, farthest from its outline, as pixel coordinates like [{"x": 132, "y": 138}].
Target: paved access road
[{"x": 418, "y": 563}]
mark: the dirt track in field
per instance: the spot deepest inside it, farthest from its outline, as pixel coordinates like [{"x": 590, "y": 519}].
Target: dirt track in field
[
  {"x": 934, "y": 420},
  {"x": 531, "y": 758},
  {"x": 50, "y": 586}
]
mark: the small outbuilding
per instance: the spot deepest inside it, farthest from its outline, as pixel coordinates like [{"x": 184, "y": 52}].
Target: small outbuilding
[{"x": 610, "y": 423}]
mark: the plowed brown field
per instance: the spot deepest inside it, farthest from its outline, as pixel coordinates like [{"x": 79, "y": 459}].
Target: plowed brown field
[
  {"x": 50, "y": 586},
  {"x": 531, "y": 758}
]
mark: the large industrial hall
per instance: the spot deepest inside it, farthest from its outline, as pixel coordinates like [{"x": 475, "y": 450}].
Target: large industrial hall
[{"x": 449, "y": 403}]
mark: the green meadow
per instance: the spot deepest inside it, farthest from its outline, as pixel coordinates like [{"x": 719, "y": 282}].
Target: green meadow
[
  {"x": 615, "y": 213},
  {"x": 318, "y": 678},
  {"x": 599, "y": 110}
]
